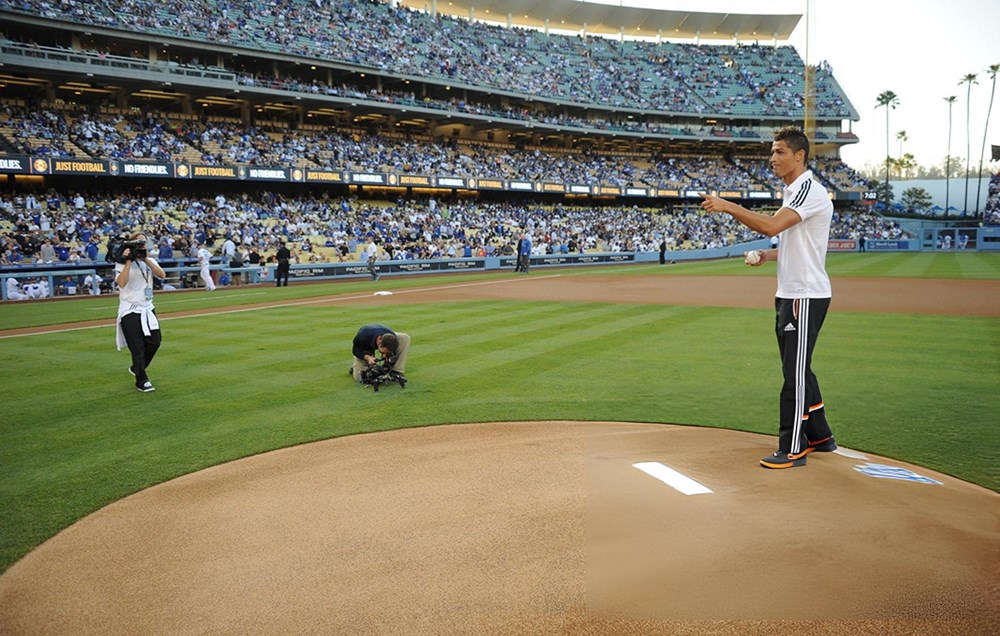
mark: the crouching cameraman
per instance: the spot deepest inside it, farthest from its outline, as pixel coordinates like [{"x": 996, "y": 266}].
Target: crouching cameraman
[
  {"x": 391, "y": 344},
  {"x": 138, "y": 328}
]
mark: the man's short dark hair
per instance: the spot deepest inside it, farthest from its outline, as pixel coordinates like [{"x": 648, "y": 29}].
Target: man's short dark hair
[
  {"x": 794, "y": 138},
  {"x": 389, "y": 342}
]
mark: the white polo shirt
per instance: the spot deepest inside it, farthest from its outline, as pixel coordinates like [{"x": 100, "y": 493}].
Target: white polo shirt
[{"x": 802, "y": 255}]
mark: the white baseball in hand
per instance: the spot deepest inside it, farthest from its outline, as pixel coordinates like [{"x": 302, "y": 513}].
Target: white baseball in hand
[{"x": 752, "y": 257}]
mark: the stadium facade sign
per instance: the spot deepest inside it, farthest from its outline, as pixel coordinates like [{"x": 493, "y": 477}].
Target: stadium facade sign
[
  {"x": 41, "y": 165},
  {"x": 842, "y": 245},
  {"x": 13, "y": 164},
  {"x": 267, "y": 174},
  {"x": 71, "y": 165},
  {"x": 213, "y": 172},
  {"x": 451, "y": 182},
  {"x": 324, "y": 176},
  {"x": 369, "y": 178},
  {"x": 146, "y": 169}
]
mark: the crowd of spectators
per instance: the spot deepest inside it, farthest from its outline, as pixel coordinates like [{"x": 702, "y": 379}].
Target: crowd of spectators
[
  {"x": 670, "y": 77},
  {"x": 145, "y": 135},
  {"x": 991, "y": 213},
  {"x": 539, "y": 113},
  {"x": 38, "y": 132},
  {"x": 61, "y": 227},
  {"x": 139, "y": 137}
]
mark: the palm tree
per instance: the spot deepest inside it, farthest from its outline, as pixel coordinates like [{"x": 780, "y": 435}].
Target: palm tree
[
  {"x": 993, "y": 76},
  {"x": 901, "y": 137},
  {"x": 970, "y": 79},
  {"x": 890, "y": 100},
  {"x": 947, "y": 158}
]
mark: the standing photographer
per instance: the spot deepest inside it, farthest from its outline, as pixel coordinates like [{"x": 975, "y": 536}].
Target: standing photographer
[
  {"x": 378, "y": 337},
  {"x": 138, "y": 327}
]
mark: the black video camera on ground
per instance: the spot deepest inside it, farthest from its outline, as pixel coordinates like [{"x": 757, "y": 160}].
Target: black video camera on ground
[
  {"x": 117, "y": 247},
  {"x": 380, "y": 373}
]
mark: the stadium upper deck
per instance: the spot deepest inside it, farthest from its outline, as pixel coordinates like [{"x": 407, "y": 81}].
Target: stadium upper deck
[{"x": 735, "y": 82}]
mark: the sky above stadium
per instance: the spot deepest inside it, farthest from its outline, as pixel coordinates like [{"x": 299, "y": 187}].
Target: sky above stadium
[{"x": 919, "y": 49}]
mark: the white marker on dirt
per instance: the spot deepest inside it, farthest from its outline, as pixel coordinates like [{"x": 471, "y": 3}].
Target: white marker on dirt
[{"x": 672, "y": 478}]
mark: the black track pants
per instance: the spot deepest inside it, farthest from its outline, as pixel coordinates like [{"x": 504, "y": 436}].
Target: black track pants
[
  {"x": 802, "y": 416},
  {"x": 142, "y": 347}
]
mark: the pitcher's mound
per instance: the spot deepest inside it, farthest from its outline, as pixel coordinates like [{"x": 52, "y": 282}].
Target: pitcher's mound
[{"x": 524, "y": 528}]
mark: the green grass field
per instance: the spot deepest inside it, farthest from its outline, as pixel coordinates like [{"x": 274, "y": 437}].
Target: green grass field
[{"x": 75, "y": 435}]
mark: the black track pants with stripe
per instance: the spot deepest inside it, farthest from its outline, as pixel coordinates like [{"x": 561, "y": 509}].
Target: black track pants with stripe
[{"x": 802, "y": 416}]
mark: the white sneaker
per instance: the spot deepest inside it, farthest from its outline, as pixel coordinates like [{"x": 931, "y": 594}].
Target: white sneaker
[{"x": 146, "y": 388}]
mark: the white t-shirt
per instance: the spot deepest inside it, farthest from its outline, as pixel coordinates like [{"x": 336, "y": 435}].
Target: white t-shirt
[
  {"x": 802, "y": 255},
  {"x": 133, "y": 296}
]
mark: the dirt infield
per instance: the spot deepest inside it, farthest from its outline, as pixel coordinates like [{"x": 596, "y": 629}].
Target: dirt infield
[{"x": 539, "y": 527}]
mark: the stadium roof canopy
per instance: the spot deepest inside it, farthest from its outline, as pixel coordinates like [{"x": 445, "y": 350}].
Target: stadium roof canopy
[{"x": 605, "y": 19}]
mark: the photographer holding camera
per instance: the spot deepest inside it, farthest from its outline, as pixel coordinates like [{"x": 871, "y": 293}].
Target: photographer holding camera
[
  {"x": 390, "y": 344},
  {"x": 138, "y": 328}
]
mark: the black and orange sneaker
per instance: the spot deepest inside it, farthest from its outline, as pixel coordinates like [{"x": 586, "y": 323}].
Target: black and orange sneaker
[
  {"x": 827, "y": 445},
  {"x": 781, "y": 459}
]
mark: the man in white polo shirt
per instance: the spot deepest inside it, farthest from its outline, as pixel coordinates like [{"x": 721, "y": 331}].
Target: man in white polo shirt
[{"x": 803, "y": 296}]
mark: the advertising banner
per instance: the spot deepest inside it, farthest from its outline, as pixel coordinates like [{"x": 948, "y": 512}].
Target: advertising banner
[
  {"x": 323, "y": 176},
  {"x": 146, "y": 169},
  {"x": 369, "y": 178},
  {"x": 15, "y": 164},
  {"x": 213, "y": 172},
  {"x": 254, "y": 173},
  {"x": 873, "y": 245},
  {"x": 410, "y": 180},
  {"x": 55, "y": 166},
  {"x": 490, "y": 184},
  {"x": 842, "y": 245}
]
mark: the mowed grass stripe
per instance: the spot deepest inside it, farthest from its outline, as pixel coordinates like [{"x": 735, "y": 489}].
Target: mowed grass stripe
[{"x": 575, "y": 339}]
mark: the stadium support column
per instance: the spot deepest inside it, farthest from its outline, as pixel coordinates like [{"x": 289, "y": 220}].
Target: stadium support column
[
  {"x": 809, "y": 98},
  {"x": 809, "y": 104}
]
